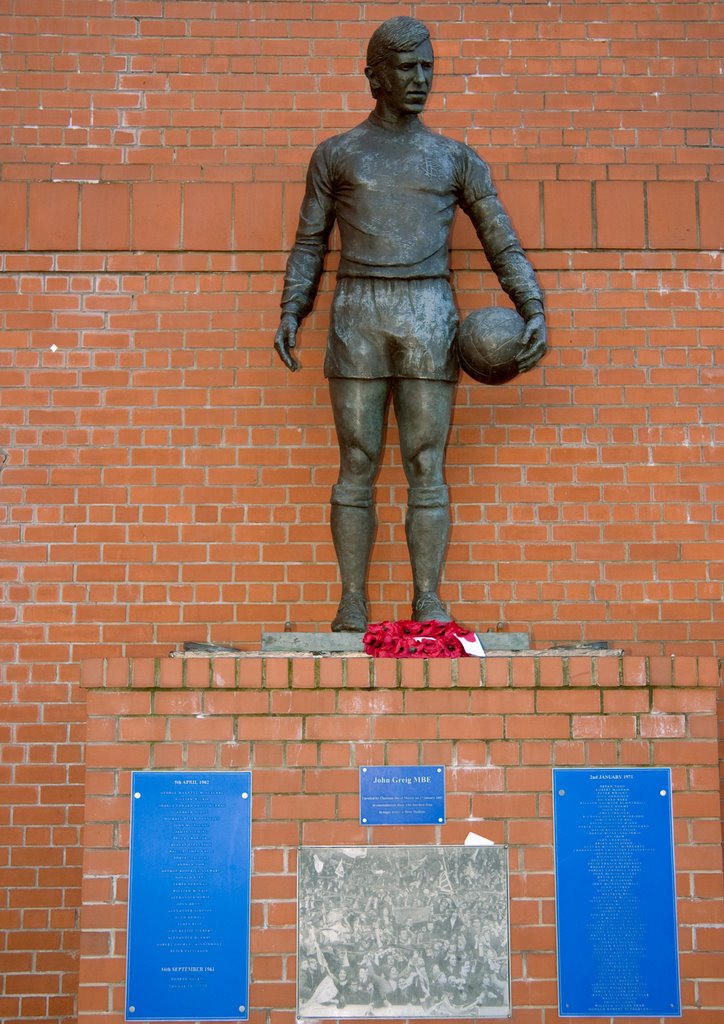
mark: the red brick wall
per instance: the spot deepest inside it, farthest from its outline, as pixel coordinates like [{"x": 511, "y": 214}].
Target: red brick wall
[
  {"x": 165, "y": 479},
  {"x": 305, "y": 726}
]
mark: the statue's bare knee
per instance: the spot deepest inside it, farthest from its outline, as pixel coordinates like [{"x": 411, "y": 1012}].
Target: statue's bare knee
[
  {"x": 357, "y": 467},
  {"x": 424, "y": 468}
]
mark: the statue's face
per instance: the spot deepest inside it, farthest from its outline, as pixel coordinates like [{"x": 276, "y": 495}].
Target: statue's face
[{"x": 405, "y": 79}]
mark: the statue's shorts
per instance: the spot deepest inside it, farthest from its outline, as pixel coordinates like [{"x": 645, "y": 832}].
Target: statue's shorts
[{"x": 392, "y": 327}]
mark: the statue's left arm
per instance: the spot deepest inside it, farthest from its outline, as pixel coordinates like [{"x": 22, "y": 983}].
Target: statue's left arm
[{"x": 505, "y": 254}]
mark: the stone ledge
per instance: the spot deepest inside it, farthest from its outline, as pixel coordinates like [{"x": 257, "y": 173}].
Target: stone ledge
[
  {"x": 549, "y": 669},
  {"x": 352, "y": 643}
]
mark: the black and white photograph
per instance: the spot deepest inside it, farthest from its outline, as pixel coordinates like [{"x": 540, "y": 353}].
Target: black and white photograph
[{"x": 403, "y": 931}]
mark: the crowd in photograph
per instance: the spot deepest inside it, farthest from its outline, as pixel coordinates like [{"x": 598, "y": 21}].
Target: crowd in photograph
[{"x": 395, "y": 931}]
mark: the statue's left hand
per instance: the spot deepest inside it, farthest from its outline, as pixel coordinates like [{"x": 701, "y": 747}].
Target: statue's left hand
[{"x": 534, "y": 345}]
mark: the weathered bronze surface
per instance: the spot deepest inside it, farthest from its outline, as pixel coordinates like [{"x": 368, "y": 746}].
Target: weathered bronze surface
[{"x": 393, "y": 187}]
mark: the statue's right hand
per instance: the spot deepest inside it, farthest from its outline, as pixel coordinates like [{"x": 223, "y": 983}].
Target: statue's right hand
[{"x": 286, "y": 339}]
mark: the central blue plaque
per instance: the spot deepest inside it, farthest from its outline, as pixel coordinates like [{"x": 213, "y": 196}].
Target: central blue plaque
[
  {"x": 402, "y": 795},
  {"x": 188, "y": 903},
  {"x": 615, "y": 895}
]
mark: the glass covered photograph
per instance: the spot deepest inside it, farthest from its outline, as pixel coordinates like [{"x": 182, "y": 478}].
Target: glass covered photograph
[{"x": 403, "y": 932}]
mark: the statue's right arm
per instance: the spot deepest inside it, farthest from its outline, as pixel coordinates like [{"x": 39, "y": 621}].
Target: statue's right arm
[{"x": 306, "y": 260}]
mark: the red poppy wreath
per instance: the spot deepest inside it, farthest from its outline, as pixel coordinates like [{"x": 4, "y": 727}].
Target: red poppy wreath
[{"x": 416, "y": 640}]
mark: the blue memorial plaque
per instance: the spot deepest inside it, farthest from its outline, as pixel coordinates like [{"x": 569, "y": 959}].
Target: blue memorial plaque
[
  {"x": 403, "y": 795},
  {"x": 615, "y": 893},
  {"x": 188, "y": 903}
]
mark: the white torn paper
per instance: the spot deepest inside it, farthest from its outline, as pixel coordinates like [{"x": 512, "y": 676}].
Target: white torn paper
[
  {"x": 473, "y": 839},
  {"x": 473, "y": 647}
]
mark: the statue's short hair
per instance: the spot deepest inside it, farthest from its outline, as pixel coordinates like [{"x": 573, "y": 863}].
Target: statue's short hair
[{"x": 396, "y": 35}]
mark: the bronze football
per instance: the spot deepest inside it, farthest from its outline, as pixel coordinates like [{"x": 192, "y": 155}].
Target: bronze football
[{"x": 488, "y": 342}]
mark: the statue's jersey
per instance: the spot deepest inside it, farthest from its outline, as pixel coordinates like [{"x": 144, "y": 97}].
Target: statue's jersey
[
  {"x": 394, "y": 196},
  {"x": 393, "y": 193}
]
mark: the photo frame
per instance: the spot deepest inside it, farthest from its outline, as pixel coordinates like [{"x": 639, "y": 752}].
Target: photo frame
[{"x": 403, "y": 931}]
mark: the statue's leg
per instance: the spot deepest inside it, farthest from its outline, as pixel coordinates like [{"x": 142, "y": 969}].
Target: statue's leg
[
  {"x": 423, "y": 409},
  {"x": 359, "y": 416}
]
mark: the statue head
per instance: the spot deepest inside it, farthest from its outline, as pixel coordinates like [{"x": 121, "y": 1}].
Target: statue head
[{"x": 399, "y": 64}]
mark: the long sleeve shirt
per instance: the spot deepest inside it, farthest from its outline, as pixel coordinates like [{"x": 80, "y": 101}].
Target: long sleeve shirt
[{"x": 393, "y": 193}]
